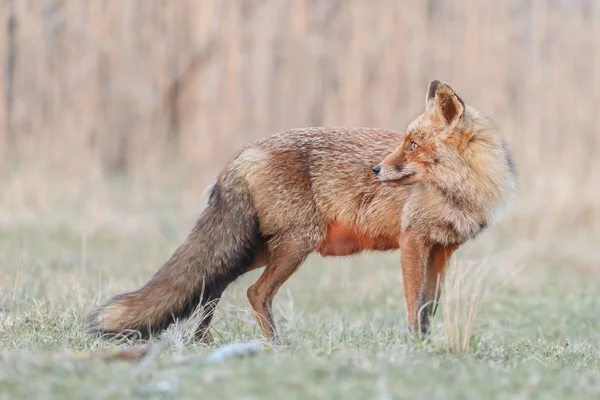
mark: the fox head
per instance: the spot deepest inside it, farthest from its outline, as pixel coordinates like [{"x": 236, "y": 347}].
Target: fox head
[{"x": 433, "y": 143}]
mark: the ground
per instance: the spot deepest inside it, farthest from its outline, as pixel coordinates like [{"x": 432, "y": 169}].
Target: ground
[{"x": 536, "y": 333}]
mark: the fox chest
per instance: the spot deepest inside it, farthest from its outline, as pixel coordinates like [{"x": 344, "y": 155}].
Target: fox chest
[{"x": 343, "y": 240}]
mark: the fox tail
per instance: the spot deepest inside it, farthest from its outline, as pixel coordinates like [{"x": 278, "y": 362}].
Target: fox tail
[{"x": 221, "y": 247}]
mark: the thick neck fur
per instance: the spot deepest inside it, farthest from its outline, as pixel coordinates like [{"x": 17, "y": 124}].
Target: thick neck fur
[
  {"x": 479, "y": 177},
  {"x": 472, "y": 183}
]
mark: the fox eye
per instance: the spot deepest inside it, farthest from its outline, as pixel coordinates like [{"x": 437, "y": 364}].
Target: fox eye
[{"x": 412, "y": 146}]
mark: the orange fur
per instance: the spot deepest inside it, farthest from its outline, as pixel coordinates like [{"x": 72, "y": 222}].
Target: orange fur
[{"x": 343, "y": 241}]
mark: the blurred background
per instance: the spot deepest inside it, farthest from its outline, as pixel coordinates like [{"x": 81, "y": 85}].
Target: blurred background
[
  {"x": 167, "y": 91},
  {"x": 116, "y": 114}
]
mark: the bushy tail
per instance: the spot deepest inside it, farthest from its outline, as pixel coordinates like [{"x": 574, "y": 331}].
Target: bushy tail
[{"x": 220, "y": 248}]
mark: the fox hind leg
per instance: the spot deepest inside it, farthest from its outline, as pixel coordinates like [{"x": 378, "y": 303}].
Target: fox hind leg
[
  {"x": 203, "y": 331},
  {"x": 284, "y": 260}
]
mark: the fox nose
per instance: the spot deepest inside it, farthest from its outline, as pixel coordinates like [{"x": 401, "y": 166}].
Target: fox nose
[{"x": 376, "y": 169}]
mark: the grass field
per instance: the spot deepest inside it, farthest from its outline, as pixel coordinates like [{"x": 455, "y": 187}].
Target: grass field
[{"x": 536, "y": 335}]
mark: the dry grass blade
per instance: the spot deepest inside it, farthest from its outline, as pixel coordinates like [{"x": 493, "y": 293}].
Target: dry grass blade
[
  {"x": 185, "y": 331},
  {"x": 465, "y": 287}
]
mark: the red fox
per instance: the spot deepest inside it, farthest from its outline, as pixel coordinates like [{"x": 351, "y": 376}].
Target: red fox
[{"x": 336, "y": 192}]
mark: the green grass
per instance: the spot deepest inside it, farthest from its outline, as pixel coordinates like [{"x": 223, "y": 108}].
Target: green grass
[{"x": 536, "y": 335}]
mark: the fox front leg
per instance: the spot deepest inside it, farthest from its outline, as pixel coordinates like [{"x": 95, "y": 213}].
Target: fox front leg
[
  {"x": 435, "y": 272},
  {"x": 415, "y": 251}
]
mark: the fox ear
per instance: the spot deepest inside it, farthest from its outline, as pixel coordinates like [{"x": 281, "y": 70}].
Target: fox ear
[
  {"x": 433, "y": 86},
  {"x": 444, "y": 104}
]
